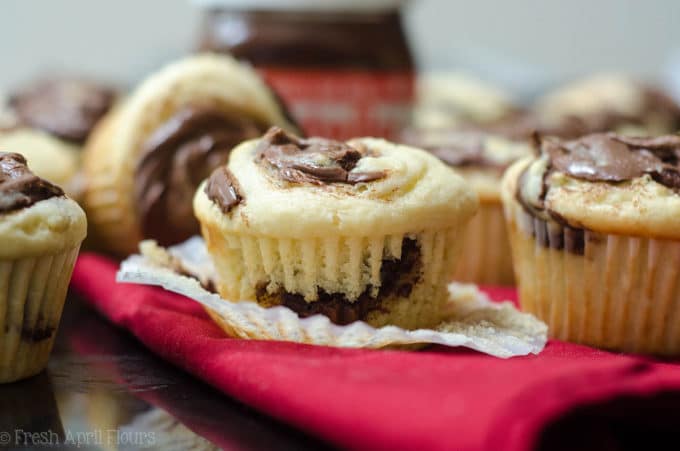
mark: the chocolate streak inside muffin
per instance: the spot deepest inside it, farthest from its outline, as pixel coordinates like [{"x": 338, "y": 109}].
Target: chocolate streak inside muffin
[
  {"x": 314, "y": 160},
  {"x": 176, "y": 158},
  {"x": 19, "y": 187},
  {"x": 397, "y": 279},
  {"x": 66, "y": 108},
  {"x": 605, "y": 157}
]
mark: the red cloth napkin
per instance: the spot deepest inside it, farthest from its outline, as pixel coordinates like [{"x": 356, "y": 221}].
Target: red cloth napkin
[{"x": 440, "y": 398}]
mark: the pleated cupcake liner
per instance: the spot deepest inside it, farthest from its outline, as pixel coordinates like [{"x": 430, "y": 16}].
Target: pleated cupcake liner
[
  {"x": 605, "y": 290},
  {"x": 472, "y": 320},
  {"x": 338, "y": 264},
  {"x": 32, "y": 294},
  {"x": 486, "y": 258}
]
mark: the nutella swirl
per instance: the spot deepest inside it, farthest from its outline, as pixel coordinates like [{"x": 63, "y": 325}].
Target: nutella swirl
[
  {"x": 222, "y": 188},
  {"x": 19, "y": 187},
  {"x": 66, "y": 108},
  {"x": 614, "y": 158},
  {"x": 175, "y": 159},
  {"x": 314, "y": 160}
]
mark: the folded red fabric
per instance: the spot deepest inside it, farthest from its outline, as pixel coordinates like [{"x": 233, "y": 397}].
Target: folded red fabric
[{"x": 440, "y": 398}]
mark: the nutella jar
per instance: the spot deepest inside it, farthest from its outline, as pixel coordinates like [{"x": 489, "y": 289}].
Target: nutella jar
[{"x": 344, "y": 68}]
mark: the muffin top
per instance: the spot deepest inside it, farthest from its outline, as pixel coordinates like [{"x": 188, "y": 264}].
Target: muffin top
[
  {"x": 605, "y": 182},
  {"x": 610, "y": 102},
  {"x": 480, "y": 153},
  {"x": 35, "y": 216},
  {"x": 449, "y": 99},
  {"x": 282, "y": 185},
  {"x": 67, "y": 108}
]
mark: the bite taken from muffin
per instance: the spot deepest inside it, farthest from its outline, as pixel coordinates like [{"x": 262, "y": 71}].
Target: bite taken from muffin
[
  {"x": 595, "y": 234},
  {"x": 41, "y": 231},
  {"x": 359, "y": 230}
]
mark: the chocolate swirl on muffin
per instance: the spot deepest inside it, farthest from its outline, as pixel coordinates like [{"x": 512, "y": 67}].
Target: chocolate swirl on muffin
[
  {"x": 19, "y": 187},
  {"x": 356, "y": 230},
  {"x": 66, "y": 108},
  {"x": 610, "y": 102},
  {"x": 494, "y": 145},
  {"x": 313, "y": 160},
  {"x": 222, "y": 188},
  {"x": 657, "y": 110},
  {"x": 613, "y": 158},
  {"x": 176, "y": 158}
]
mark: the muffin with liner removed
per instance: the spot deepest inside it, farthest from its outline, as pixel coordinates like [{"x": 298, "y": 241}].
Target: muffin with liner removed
[
  {"x": 363, "y": 230},
  {"x": 41, "y": 231},
  {"x": 595, "y": 234}
]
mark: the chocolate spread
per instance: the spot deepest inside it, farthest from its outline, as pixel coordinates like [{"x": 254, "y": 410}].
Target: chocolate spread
[
  {"x": 614, "y": 158},
  {"x": 397, "y": 279},
  {"x": 313, "y": 160},
  {"x": 222, "y": 188},
  {"x": 19, "y": 187},
  {"x": 66, "y": 108},
  {"x": 175, "y": 159}
]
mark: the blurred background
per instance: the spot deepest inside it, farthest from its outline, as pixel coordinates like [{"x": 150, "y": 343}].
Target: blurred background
[{"x": 522, "y": 45}]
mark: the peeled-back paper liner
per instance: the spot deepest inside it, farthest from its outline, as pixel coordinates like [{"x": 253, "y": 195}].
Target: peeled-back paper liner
[{"x": 476, "y": 322}]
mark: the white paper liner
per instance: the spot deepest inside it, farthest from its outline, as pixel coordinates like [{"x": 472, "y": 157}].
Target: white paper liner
[{"x": 497, "y": 329}]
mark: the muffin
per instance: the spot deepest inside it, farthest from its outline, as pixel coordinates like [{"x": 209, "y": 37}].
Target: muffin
[
  {"x": 146, "y": 159},
  {"x": 48, "y": 122},
  {"x": 609, "y": 102},
  {"x": 363, "y": 230},
  {"x": 41, "y": 231},
  {"x": 449, "y": 99},
  {"x": 480, "y": 154},
  {"x": 594, "y": 227}
]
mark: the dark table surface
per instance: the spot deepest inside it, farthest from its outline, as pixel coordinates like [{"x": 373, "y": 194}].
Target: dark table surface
[{"x": 102, "y": 390}]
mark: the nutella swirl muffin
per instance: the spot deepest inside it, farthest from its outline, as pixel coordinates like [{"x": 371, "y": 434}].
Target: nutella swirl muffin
[
  {"x": 608, "y": 102},
  {"x": 144, "y": 163},
  {"x": 446, "y": 100},
  {"x": 41, "y": 231},
  {"x": 480, "y": 154},
  {"x": 49, "y": 121},
  {"x": 363, "y": 230},
  {"x": 595, "y": 233}
]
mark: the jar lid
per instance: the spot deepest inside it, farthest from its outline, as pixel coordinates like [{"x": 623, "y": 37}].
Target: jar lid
[{"x": 303, "y": 5}]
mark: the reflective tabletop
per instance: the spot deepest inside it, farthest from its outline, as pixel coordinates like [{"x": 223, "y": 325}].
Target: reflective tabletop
[{"x": 103, "y": 390}]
